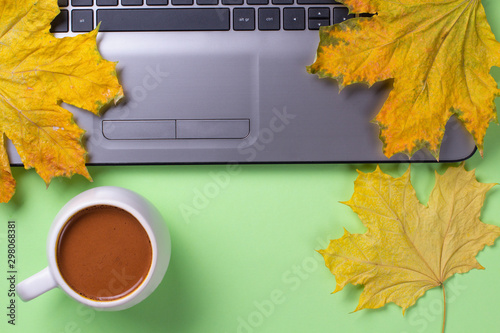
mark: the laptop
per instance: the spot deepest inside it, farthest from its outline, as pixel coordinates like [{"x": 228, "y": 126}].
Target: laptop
[{"x": 225, "y": 81}]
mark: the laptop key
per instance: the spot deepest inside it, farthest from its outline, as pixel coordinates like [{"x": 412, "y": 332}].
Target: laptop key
[
  {"x": 164, "y": 19},
  {"x": 232, "y": 2},
  {"x": 315, "y": 24},
  {"x": 81, "y": 20},
  {"x": 269, "y": 18},
  {"x": 62, "y": 3},
  {"x": 282, "y": 2},
  {"x": 207, "y": 2},
  {"x": 78, "y": 3},
  {"x": 294, "y": 18},
  {"x": 319, "y": 13},
  {"x": 318, "y": 2},
  {"x": 107, "y": 2},
  {"x": 257, "y": 2},
  {"x": 132, "y": 2},
  {"x": 60, "y": 22},
  {"x": 244, "y": 19},
  {"x": 340, "y": 14},
  {"x": 182, "y": 2},
  {"x": 156, "y": 2}
]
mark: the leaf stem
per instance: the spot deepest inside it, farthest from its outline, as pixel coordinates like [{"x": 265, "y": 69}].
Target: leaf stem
[{"x": 444, "y": 307}]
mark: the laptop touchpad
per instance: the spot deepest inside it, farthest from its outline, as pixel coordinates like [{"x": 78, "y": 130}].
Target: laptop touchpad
[{"x": 210, "y": 96}]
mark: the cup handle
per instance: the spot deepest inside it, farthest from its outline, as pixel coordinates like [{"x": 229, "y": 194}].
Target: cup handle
[{"x": 36, "y": 285}]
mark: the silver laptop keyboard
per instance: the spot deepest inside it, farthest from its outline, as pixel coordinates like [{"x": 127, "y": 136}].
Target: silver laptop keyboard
[{"x": 197, "y": 15}]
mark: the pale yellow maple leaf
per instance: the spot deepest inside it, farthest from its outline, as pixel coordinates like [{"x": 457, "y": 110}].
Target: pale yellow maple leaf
[
  {"x": 37, "y": 72},
  {"x": 409, "y": 248},
  {"x": 439, "y": 53}
]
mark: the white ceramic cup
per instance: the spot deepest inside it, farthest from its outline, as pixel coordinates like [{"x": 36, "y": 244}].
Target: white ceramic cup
[{"x": 127, "y": 200}]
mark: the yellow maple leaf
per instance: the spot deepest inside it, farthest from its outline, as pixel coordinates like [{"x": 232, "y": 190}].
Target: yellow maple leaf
[
  {"x": 410, "y": 248},
  {"x": 7, "y": 182},
  {"x": 37, "y": 72},
  {"x": 439, "y": 53}
]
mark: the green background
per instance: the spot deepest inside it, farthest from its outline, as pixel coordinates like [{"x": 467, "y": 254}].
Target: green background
[{"x": 243, "y": 253}]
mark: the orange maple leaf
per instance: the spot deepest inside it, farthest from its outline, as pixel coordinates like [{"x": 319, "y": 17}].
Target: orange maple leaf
[
  {"x": 37, "y": 72},
  {"x": 439, "y": 54}
]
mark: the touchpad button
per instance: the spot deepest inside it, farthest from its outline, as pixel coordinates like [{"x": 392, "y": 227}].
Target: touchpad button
[{"x": 213, "y": 129}]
